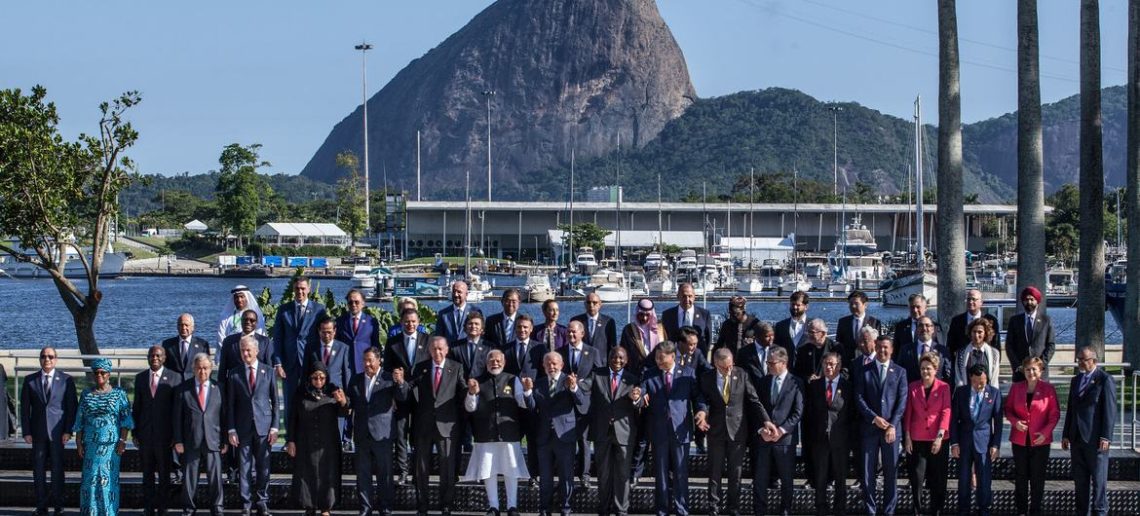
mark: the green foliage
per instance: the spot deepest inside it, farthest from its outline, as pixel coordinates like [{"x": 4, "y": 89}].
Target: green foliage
[
  {"x": 240, "y": 190},
  {"x": 585, "y": 235},
  {"x": 1062, "y": 225},
  {"x": 350, "y": 196}
]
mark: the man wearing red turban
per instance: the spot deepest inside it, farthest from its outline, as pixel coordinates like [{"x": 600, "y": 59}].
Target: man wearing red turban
[{"x": 1030, "y": 334}]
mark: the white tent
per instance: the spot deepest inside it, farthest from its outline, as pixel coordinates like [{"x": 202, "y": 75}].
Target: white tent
[
  {"x": 300, "y": 233},
  {"x": 195, "y": 225}
]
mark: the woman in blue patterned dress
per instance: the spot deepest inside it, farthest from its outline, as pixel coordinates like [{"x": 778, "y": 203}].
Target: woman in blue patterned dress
[{"x": 101, "y": 436}]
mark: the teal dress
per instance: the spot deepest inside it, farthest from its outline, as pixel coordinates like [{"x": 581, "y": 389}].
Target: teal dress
[{"x": 100, "y": 417}]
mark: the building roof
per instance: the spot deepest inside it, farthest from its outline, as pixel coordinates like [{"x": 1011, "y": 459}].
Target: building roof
[
  {"x": 968, "y": 209},
  {"x": 642, "y": 238},
  {"x": 195, "y": 225},
  {"x": 299, "y": 229}
]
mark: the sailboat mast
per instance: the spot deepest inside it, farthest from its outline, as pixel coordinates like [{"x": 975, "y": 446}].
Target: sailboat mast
[
  {"x": 467, "y": 244},
  {"x": 920, "y": 255},
  {"x": 751, "y": 214},
  {"x": 660, "y": 234},
  {"x": 571, "y": 251}
]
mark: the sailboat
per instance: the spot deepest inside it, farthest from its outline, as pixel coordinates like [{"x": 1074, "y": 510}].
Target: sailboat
[
  {"x": 610, "y": 283},
  {"x": 751, "y": 284},
  {"x": 660, "y": 282},
  {"x": 474, "y": 295},
  {"x": 913, "y": 278},
  {"x": 795, "y": 281}
]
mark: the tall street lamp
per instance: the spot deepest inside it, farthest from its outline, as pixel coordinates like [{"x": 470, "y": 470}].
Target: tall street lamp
[
  {"x": 488, "y": 94},
  {"x": 364, "y": 47},
  {"x": 834, "y": 149}
]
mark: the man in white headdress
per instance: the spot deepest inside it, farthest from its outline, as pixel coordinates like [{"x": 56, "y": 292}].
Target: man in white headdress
[{"x": 242, "y": 300}]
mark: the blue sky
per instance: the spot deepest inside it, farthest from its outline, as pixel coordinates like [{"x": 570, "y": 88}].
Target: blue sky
[{"x": 281, "y": 73}]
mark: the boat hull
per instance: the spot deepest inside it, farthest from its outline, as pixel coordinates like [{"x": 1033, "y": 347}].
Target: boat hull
[
  {"x": 896, "y": 292},
  {"x": 112, "y": 267}
]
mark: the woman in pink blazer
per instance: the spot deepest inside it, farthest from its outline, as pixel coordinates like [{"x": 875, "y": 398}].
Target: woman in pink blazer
[
  {"x": 926, "y": 424},
  {"x": 1033, "y": 411}
]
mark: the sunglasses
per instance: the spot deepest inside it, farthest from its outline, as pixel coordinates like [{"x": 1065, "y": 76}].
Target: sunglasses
[{"x": 47, "y": 357}]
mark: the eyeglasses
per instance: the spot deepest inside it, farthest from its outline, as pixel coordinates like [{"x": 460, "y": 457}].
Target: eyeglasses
[
  {"x": 1083, "y": 360},
  {"x": 102, "y": 373},
  {"x": 47, "y": 357},
  {"x": 772, "y": 362}
]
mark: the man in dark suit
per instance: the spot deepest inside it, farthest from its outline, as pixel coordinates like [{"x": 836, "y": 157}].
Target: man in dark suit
[
  {"x": 848, "y": 328},
  {"x": 229, "y": 356},
  {"x": 559, "y": 402},
  {"x": 471, "y": 351},
  {"x": 48, "y": 406},
  {"x": 1090, "y": 417},
  {"x": 733, "y": 408},
  {"x": 524, "y": 355},
  {"x": 689, "y": 352},
  {"x": 294, "y": 330},
  {"x": 251, "y": 423},
  {"x": 438, "y": 388},
  {"x": 781, "y": 394},
  {"x": 406, "y": 350},
  {"x": 791, "y": 332},
  {"x": 975, "y": 437},
  {"x": 336, "y": 355},
  {"x": 550, "y": 332},
  {"x": 957, "y": 338},
  {"x": 451, "y": 319},
  {"x": 829, "y": 418},
  {"x": 613, "y": 430},
  {"x": 739, "y": 322},
  {"x": 809, "y": 357},
  {"x": 687, "y": 313},
  {"x": 373, "y": 397},
  {"x": 601, "y": 330},
  {"x": 358, "y": 329},
  {"x": 500, "y": 330},
  {"x": 925, "y": 341},
  {"x": 198, "y": 433},
  {"x": 753, "y": 357},
  {"x": 181, "y": 350},
  {"x": 880, "y": 393},
  {"x": 905, "y": 330},
  {"x": 152, "y": 412},
  {"x": 1030, "y": 334},
  {"x": 581, "y": 359},
  {"x": 671, "y": 397}
]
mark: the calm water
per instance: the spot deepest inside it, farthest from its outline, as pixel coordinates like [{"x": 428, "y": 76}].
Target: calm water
[{"x": 138, "y": 312}]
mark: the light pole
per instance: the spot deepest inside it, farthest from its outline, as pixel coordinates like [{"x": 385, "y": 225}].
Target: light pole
[
  {"x": 488, "y": 94},
  {"x": 834, "y": 148},
  {"x": 364, "y": 47}
]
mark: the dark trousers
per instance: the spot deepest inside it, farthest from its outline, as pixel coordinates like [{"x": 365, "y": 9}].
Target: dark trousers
[
  {"x": 876, "y": 450},
  {"x": 1090, "y": 475},
  {"x": 373, "y": 464},
  {"x": 1029, "y": 463},
  {"x": 555, "y": 455},
  {"x": 155, "y": 462},
  {"x": 671, "y": 476},
  {"x": 641, "y": 448},
  {"x": 448, "y": 450},
  {"x": 47, "y": 453},
  {"x": 612, "y": 460},
  {"x": 829, "y": 460},
  {"x": 782, "y": 458},
  {"x": 928, "y": 467},
  {"x": 402, "y": 447},
  {"x": 529, "y": 428},
  {"x": 971, "y": 461},
  {"x": 582, "y": 454},
  {"x": 190, "y": 462},
  {"x": 726, "y": 458},
  {"x": 253, "y": 473}
]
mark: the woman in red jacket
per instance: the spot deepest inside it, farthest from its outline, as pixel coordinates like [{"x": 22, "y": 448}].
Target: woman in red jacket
[
  {"x": 1033, "y": 411},
  {"x": 927, "y": 424}
]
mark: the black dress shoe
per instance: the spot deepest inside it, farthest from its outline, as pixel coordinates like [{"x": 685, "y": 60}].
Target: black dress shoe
[
  {"x": 492, "y": 512},
  {"x": 533, "y": 483},
  {"x": 58, "y": 511},
  {"x": 401, "y": 480},
  {"x": 513, "y": 511}
]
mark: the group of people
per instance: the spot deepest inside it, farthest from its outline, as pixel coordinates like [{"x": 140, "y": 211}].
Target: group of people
[{"x": 581, "y": 393}]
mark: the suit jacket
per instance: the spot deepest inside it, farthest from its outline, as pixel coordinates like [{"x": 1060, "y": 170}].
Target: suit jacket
[
  {"x": 1018, "y": 346},
  {"x": 494, "y": 331},
  {"x": 749, "y": 359},
  {"x": 957, "y": 338},
  {"x": 558, "y": 413},
  {"x": 784, "y": 339},
  {"x": 695, "y": 361},
  {"x": 786, "y": 408},
  {"x": 473, "y": 357},
  {"x": 445, "y": 323},
  {"x": 229, "y": 355},
  {"x": 908, "y": 358},
  {"x": 605, "y": 332},
  {"x": 339, "y": 362},
  {"x": 1042, "y": 414},
  {"x": 251, "y": 413},
  {"x": 367, "y": 335},
  {"x": 559, "y": 335},
  {"x": 727, "y": 336},
  {"x": 847, "y": 338},
  {"x": 590, "y": 360},
  {"x": 670, "y": 411},
  {"x": 438, "y": 413},
  {"x": 531, "y": 364},
  {"x": 737, "y": 419},
  {"x": 152, "y": 414},
  {"x": 613, "y": 415},
  {"x": 878, "y": 398},
  {"x": 903, "y": 337},
  {"x": 292, "y": 336},
  {"x": 396, "y": 353},
  {"x": 1091, "y": 417},
  {"x": 672, "y": 320},
  {"x": 983, "y": 432},
  {"x": 636, "y": 350},
  {"x": 925, "y": 416},
  {"x": 829, "y": 423},
  {"x": 373, "y": 417},
  {"x": 44, "y": 418},
  {"x": 809, "y": 359},
  {"x": 183, "y": 364},
  {"x": 193, "y": 427},
  {"x": 993, "y": 358}
]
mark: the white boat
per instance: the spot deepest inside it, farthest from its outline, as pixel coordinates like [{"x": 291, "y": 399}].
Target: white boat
[
  {"x": 477, "y": 289},
  {"x": 1062, "y": 282},
  {"x": 687, "y": 263},
  {"x": 914, "y": 278},
  {"x": 111, "y": 267},
  {"x": 637, "y": 284},
  {"x": 653, "y": 261},
  {"x": 661, "y": 284},
  {"x": 538, "y": 289},
  {"x": 795, "y": 282},
  {"x": 362, "y": 278},
  {"x": 897, "y": 291},
  {"x": 839, "y": 286},
  {"x": 750, "y": 285},
  {"x": 610, "y": 286},
  {"x": 585, "y": 260},
  {"x": 771, "y": 274}
]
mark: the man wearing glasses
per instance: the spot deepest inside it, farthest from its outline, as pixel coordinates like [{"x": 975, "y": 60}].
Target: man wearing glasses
[
  {"x": 1090, "y": 417},
  {"x": 925, "y": 340},
  {"x": 957, "y": 338},
  {"x": 48, "y": 404}
]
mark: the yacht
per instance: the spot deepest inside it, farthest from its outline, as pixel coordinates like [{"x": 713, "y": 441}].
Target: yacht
[
  {"x": 637, "y": 284},
  {"x": 362, "y": 278},
  {"x": 653, "y": 261},
  {"x": 111, "y": 267},
  {"x": 661, "y": 284},
  {"x": 610, "y": 285},
  {"x": 538, "y": 289}
]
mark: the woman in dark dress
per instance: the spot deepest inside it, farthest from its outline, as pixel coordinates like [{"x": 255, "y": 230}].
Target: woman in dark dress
[{"x": 314, "y": 441}]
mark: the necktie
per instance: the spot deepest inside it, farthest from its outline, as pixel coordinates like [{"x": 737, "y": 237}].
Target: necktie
[
  {"x": 883, "y": 374},
  {"x": 724, "y": 392},
  {"x": 553, "y": 385},
  {"x": 1028, "y": 328},
  {"x": 435, "y": 381},
  {"x": 591, "y": 325},
  {"x": 762, "y": 353},
  {"x": 153, "y": 383},
  {"x": 613, "y": 384},
  {"x": 470, "y": 353},
  {"x": 1084, "y": 384},
  {"x": 776, "y": 386},
  {"x": 252, "y": 379},
  {"x": 866, "y": 359},
  {"x": 509, "y": 329},
  {"x": 913, "y": 327},
  {"x": 185, "y": 344},
  {"x": 977, "y": 405},
  {"x": 925, "y": 348},
  {"x": 47, "y": 387},
  {"x": 368, "y": 388},
  {"x": 355, "y": 324},
  {"x": 668, "y": 382},
  {"x": 858, "y": 325},
  {"x": 688, "y": 318},
  {"x": 521, "y": 354},
  {"x": 830, "y": 386},
  {"x": 300, "y": 314},
  {"x": 328, "y": 351},
  {"x": 574, "y": 359},
  {"x": 411, "y": 350},
  {"x": 459, "y": 321},
  {"x": 202, "y": 396}
]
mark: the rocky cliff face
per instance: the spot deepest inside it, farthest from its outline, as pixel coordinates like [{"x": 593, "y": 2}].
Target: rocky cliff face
[{"x": 587, "y": 75}]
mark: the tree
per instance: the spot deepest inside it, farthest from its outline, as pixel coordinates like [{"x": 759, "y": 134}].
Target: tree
[
  {"x": 1090, "y": 268},
  {"x": 1030, "y": 161},
  {"x": 350, "y": 197},
  {"x": 585, "y": 234},
  {"x": 950, "y": 224},
  {"x": 239, "y": 189},
  {"x": 1132, "y": 205},
  {"x": 59, "y": 196}
]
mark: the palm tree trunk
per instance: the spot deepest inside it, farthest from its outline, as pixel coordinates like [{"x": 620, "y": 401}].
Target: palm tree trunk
[
  {"x": 1030, "y": 168},
  {"x": 950, "y": 225},
  {"x": 1090, "y": 311},
  {"x": 1132, "y": 300}
]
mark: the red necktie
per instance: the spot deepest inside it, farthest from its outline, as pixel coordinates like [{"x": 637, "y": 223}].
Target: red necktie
[
  {"x": 326, "y": 359},
  {"x": 613, "y": 384},
  {"x": 202, "y": 396},
  {"x": 355, "y": 324},
  {"x": 668, "y": 381},
  {"x": 435, "y": 381},
  {"x": 829, "y": 393},
  {"x": 252, "y": 379},
  {"x": 153, "y": 383}
]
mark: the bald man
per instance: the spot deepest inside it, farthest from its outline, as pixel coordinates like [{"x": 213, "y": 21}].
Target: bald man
[{"x": 181, "y": 350}]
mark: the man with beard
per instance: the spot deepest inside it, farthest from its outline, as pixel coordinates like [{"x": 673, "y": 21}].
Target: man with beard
[
  {"x": 242, "y": 300},
  {"x": 906, "y": 331},
  {"x": 809, "y": 358},
  {"x": 1030, "y": 334},
  {"x": 791, "y": 332},
  {"x": 925, "y": 340}
]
